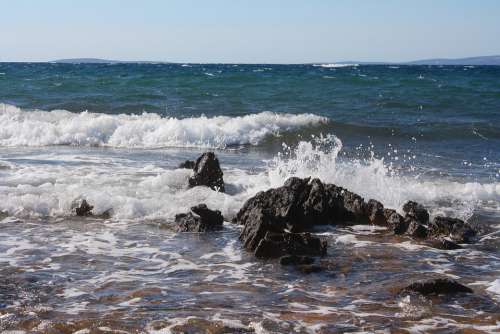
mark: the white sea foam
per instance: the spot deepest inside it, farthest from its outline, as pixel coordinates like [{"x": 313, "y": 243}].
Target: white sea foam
[
  {"x": 59, "y": 127},
  {"x": 150, "y": 191},
  {"x": 334, "y": 65}
]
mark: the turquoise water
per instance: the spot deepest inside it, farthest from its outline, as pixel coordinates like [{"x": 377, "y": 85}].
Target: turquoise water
[{"x": 115, "y": 134}]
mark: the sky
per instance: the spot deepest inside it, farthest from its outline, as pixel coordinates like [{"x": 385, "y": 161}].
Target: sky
[{"x": 248, "y": 31}]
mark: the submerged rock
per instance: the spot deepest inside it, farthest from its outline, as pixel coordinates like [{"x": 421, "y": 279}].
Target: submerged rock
[
  {"x": 200, "y": 219},
  {"x": 207, "y": 172},
  {"x": 437, "y": 286},
  {"x": 295, "y": 260},
  {"x": 442, "y": 243},
  {"x": 188, "y": 164},
  {"x": 275, "y": 245}
]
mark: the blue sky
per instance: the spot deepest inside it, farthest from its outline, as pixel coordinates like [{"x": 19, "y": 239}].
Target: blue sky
[{"x": 250, "y": 31}]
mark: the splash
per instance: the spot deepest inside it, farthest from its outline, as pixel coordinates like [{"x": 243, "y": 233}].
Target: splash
[{"x": 376, "y": 178}]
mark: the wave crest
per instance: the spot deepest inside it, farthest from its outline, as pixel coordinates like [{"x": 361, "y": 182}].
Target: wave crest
[{"x": 60, "y": 127}]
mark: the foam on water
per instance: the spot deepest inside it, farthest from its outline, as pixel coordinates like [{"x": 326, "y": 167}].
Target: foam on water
[
  {"x": 149, "y": 191},
  {"x": 60, "y": 127}
]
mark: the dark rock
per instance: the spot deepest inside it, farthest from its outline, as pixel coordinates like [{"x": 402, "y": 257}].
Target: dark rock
[
  {"x": 275, "y": 245},
  {"x": 417, "y": 211},
  {"x": 295, "y": 260},
  {"x": 355, "y": 206},
  {"x": 200, "y": 219},
  {"x": 3, "y": 215},
  {"x": 456, "y": 229},
  {"x": 83, "y": 209},
  {"x": 188, "y": 164},
  {"x": 442, "y": 243},
  {"x": 437, "y": 286},
  {"x": 105, "y": 215},
  {"x": 396, "y": 223},
  {"x": 207, "y": 172},
  {"x": 375, "y": 212},
  {"x": 309, "y": 268},
  {"x": 416, "y": 229}
]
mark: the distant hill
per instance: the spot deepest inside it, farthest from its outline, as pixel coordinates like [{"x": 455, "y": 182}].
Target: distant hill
[
  {"x": 100, "y": 61},
  {"x": 85, "y": 61},
  {"x": 485, "y": 60}
]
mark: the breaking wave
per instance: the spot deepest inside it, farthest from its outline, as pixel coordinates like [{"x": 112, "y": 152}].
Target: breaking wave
[{"x": 147, "y": 130}]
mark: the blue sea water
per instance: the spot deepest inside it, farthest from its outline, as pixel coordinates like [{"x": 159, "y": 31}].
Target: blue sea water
[{"x": 115, "y": 134}]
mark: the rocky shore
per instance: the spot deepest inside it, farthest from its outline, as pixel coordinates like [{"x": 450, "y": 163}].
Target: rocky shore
[{"x": 280, "y": 223}]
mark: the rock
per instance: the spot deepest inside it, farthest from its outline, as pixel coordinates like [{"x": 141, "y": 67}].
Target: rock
[
  {"x": 309, "y": 268},
  {"x": 396, "y": 223},
  {"x": 200, "y": 219},
  {"x": 456, "y": 229},
  {"x": 188, "y": 164},
  {"x": 442, "y": 243},
  {"x": 416, "y": 229},
  {"x": 295, "y": 260},
  {"x": 207, "y": 172},
  {"x": 3, "y": 215},
  {"x": 416, "y": 211},
  {"x": 355, "y": 206},
  {"x": 82, "y": 208},
  {"x": 437, "y": 286},
  {"x": 375, "y": 212},
  {"x": 275, "y": 245}
]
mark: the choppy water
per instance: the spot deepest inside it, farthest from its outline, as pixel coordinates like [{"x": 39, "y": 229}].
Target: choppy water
[{"x": 114, "y": 135}]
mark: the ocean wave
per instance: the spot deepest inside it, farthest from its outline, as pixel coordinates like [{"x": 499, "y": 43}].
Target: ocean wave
[
  {"x": 334, "y": 65},
  {"x": 147, "y": 130}
]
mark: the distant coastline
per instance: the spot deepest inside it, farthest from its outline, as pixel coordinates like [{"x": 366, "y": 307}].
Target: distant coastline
[{"x": 472, "y": 61}]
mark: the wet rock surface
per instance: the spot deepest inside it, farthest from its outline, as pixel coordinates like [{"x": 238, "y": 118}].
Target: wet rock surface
[
  {"x": 437, "y": 287},
  {"x": 455, "y": 228},
  {"x": 207, "y": 172},
  {"x": 82, "y": 208},
  {"x": 188, "y": 164},
  {"x": 302, "y": 204},
  {"x": 199, "y": 219}
]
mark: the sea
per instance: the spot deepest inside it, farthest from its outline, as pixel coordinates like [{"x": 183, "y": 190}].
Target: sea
[{"x": 115, "y": 134}]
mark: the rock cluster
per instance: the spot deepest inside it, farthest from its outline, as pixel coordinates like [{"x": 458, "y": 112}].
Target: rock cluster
[
  {"x": 200, "y": 219},
  {"x": 272, "y": 219}
]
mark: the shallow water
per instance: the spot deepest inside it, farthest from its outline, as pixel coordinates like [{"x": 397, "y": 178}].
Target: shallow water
[{"x": 133, "y": 273}]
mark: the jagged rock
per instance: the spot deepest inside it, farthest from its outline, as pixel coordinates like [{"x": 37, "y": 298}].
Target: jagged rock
[
  {"x": 295, "y": 260},
  {"x": 207, "y": 172},
  {"x": 82, "y": 208},
  {"x": 356, "y": 207},
  {"x": 416, "y": 229},
  {"x": 416, "y": 211},
  {"x": 200, "y": 219},
  {"x": 442, "y": 243},
  {"x": 275, "y": 245},
  {"x": 437, "y": 286},
  {"x": 188, "y": 164},
  {"x": 375, "y": 212},
  {"x": 396, "y": 223},
  {"x": 454, "y": 228}
]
